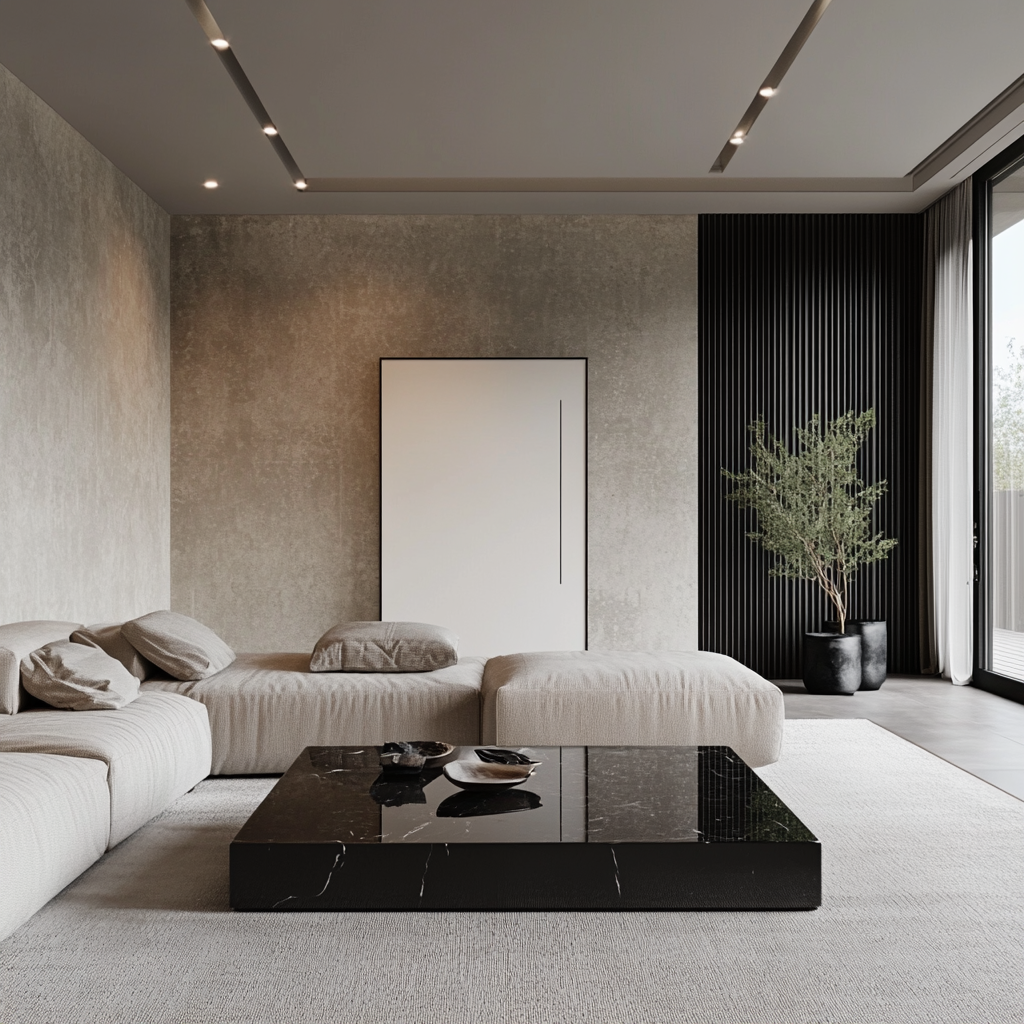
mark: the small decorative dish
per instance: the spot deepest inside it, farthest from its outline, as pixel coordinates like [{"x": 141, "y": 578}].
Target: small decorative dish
[
  {"x": 433, "y": 751},
  {"x": 495, "y": 755},
  {"x": 405, "y": 758},
  {"x": 479, "y": 775}
]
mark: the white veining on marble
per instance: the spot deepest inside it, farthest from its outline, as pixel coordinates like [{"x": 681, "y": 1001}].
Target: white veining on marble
[
  {"x": 615, "y": 861},
  {"x": 330, "y": 873},
  {"x": 285, "y": 900},
  {"x": 416, "y": 829},
  {"x": 426, "y": 868}
]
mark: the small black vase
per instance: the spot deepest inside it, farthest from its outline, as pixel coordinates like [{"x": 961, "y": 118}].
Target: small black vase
[
  {"x": 874, "y": 650},
  {"x": 832, "y": 663}
]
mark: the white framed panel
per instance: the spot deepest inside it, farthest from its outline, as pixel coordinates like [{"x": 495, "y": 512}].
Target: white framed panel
[{"x": 484, "y": 500}]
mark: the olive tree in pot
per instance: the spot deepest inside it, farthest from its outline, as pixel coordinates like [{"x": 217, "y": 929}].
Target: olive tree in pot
[{"x": 814, "y": 514}]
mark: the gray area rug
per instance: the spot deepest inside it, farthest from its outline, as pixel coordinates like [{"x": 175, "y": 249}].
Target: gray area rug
[{"x": 923, "y": 921}]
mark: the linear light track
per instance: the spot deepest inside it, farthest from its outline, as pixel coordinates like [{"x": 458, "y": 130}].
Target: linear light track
[
  {"x": 227, "y": 56},
  {"x": 771, "y": 83}
]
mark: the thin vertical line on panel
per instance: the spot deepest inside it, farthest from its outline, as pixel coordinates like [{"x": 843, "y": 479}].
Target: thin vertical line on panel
[{"x": 560, "y": 492}]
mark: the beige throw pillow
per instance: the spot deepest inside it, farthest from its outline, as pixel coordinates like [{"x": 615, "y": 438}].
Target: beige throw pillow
[
  {"x": 182, "y": 647},
  {"x": 385, "y": 647},
  {"x": 107, "y": 637},
  {"x": 78, "y": 677}
]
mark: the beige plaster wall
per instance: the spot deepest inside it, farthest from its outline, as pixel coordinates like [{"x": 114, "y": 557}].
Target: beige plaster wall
[
  {"x": 277, "y": 326},
  {"x": 84, "y": 376}
]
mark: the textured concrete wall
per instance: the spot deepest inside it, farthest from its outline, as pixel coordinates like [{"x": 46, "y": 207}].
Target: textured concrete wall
[
  {"x": 277, "y": 326},
  {"x": 84, "y": 376}
]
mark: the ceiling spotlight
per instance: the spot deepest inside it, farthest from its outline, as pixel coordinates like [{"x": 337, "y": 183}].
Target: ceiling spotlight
[
  {"x": 767, "y": 91},
  {"x": 300, "y": 184},
  {"x": 269, "y": 129},
  {"x": 210, "y": 183},
  {"x": 219, "y": 44}
]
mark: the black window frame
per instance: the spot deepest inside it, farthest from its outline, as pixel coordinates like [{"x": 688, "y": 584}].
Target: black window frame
[{"x": 999, "y": 167}]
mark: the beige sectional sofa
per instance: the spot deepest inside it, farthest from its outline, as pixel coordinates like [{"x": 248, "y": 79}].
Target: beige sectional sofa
[{"x": 74, "y": 784}]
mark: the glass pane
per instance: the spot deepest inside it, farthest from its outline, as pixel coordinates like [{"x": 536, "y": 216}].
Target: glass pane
[{"x": 1007, "y": 426}]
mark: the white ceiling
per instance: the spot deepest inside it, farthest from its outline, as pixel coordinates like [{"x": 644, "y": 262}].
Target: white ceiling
[{"x": 521, "y": 89}]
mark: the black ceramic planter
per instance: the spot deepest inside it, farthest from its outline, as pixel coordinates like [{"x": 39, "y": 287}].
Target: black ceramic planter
[
  {"x": 874, "y": 649},
  {"x": 832, "y": 662}
]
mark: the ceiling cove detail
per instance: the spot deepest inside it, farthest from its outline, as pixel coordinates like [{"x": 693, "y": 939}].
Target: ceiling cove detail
[{"x": 1001, "y": 108}]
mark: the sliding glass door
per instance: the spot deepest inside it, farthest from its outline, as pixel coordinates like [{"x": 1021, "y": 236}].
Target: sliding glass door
[{"x": 999, "y": 392}]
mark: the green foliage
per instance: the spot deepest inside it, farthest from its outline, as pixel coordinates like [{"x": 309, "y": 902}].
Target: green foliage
[
  {"x": 1008, "y": 423},
  {"x": 813, "y": 512}
]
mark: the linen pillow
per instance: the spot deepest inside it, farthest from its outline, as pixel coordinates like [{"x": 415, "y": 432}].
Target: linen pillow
[
  {"x": 78, "y": 677},
  {"x": 385, "y": 647},
  {"x": 107, "y": 637},
  {"x": 182, "y": 647}
]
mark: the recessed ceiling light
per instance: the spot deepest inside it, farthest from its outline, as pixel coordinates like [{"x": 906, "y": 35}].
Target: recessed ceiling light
[
  {"x": 269, "y": 129},
  {"x": 219, "y": 44},
  {"x": 300, "y": 184},
  {"x": 210, "y": 183},
  {"x": 737, "y": 140}
]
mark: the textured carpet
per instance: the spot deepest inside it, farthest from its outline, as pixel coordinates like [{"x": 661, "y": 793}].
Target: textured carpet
[{"x": 923, "y": 921}]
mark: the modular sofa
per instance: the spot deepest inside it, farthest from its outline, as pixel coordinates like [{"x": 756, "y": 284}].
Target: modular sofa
[{"x": 74, "y": 784}]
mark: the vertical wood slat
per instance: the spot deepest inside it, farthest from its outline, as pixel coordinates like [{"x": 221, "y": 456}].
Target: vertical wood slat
[{"x": 806, "y": 313}]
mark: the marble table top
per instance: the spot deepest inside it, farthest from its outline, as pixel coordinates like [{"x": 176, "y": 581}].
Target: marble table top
[{"x": 576, "y": 795}]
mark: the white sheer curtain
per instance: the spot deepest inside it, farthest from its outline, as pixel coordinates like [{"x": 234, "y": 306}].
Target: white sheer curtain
[{"x": 949, "y": 329}]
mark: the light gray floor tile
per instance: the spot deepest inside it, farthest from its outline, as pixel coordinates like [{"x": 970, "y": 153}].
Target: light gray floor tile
[
  {"x": 975, "y": 730},
  {"x": 1009, "y": 780},
  {"x": 970, "y": 752}
]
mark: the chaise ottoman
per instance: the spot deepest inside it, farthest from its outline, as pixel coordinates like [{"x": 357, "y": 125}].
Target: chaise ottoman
[{"x": 631, "y": 698}]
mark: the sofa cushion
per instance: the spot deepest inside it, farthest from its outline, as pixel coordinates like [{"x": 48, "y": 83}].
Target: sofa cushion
[
  {"x": 385, "y": 647},
  {"x": 182, "y": 647},
  {"x": 624, "y": 698},
  {"x": 107, "y": 637},
  {"x": 155, "y": 749},
  {"x": 17, "y": 640},
  {"x": 54, "y": 823},
  {"x": 264, "y": 708},
  {"x": 78, "y": 677}
]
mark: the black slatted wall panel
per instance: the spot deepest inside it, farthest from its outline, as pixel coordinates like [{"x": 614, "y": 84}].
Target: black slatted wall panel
[{"x": 800, "y": 314}]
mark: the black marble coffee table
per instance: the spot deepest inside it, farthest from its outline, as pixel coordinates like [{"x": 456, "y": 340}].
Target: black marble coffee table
[{"x": 595, "y": 828}]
